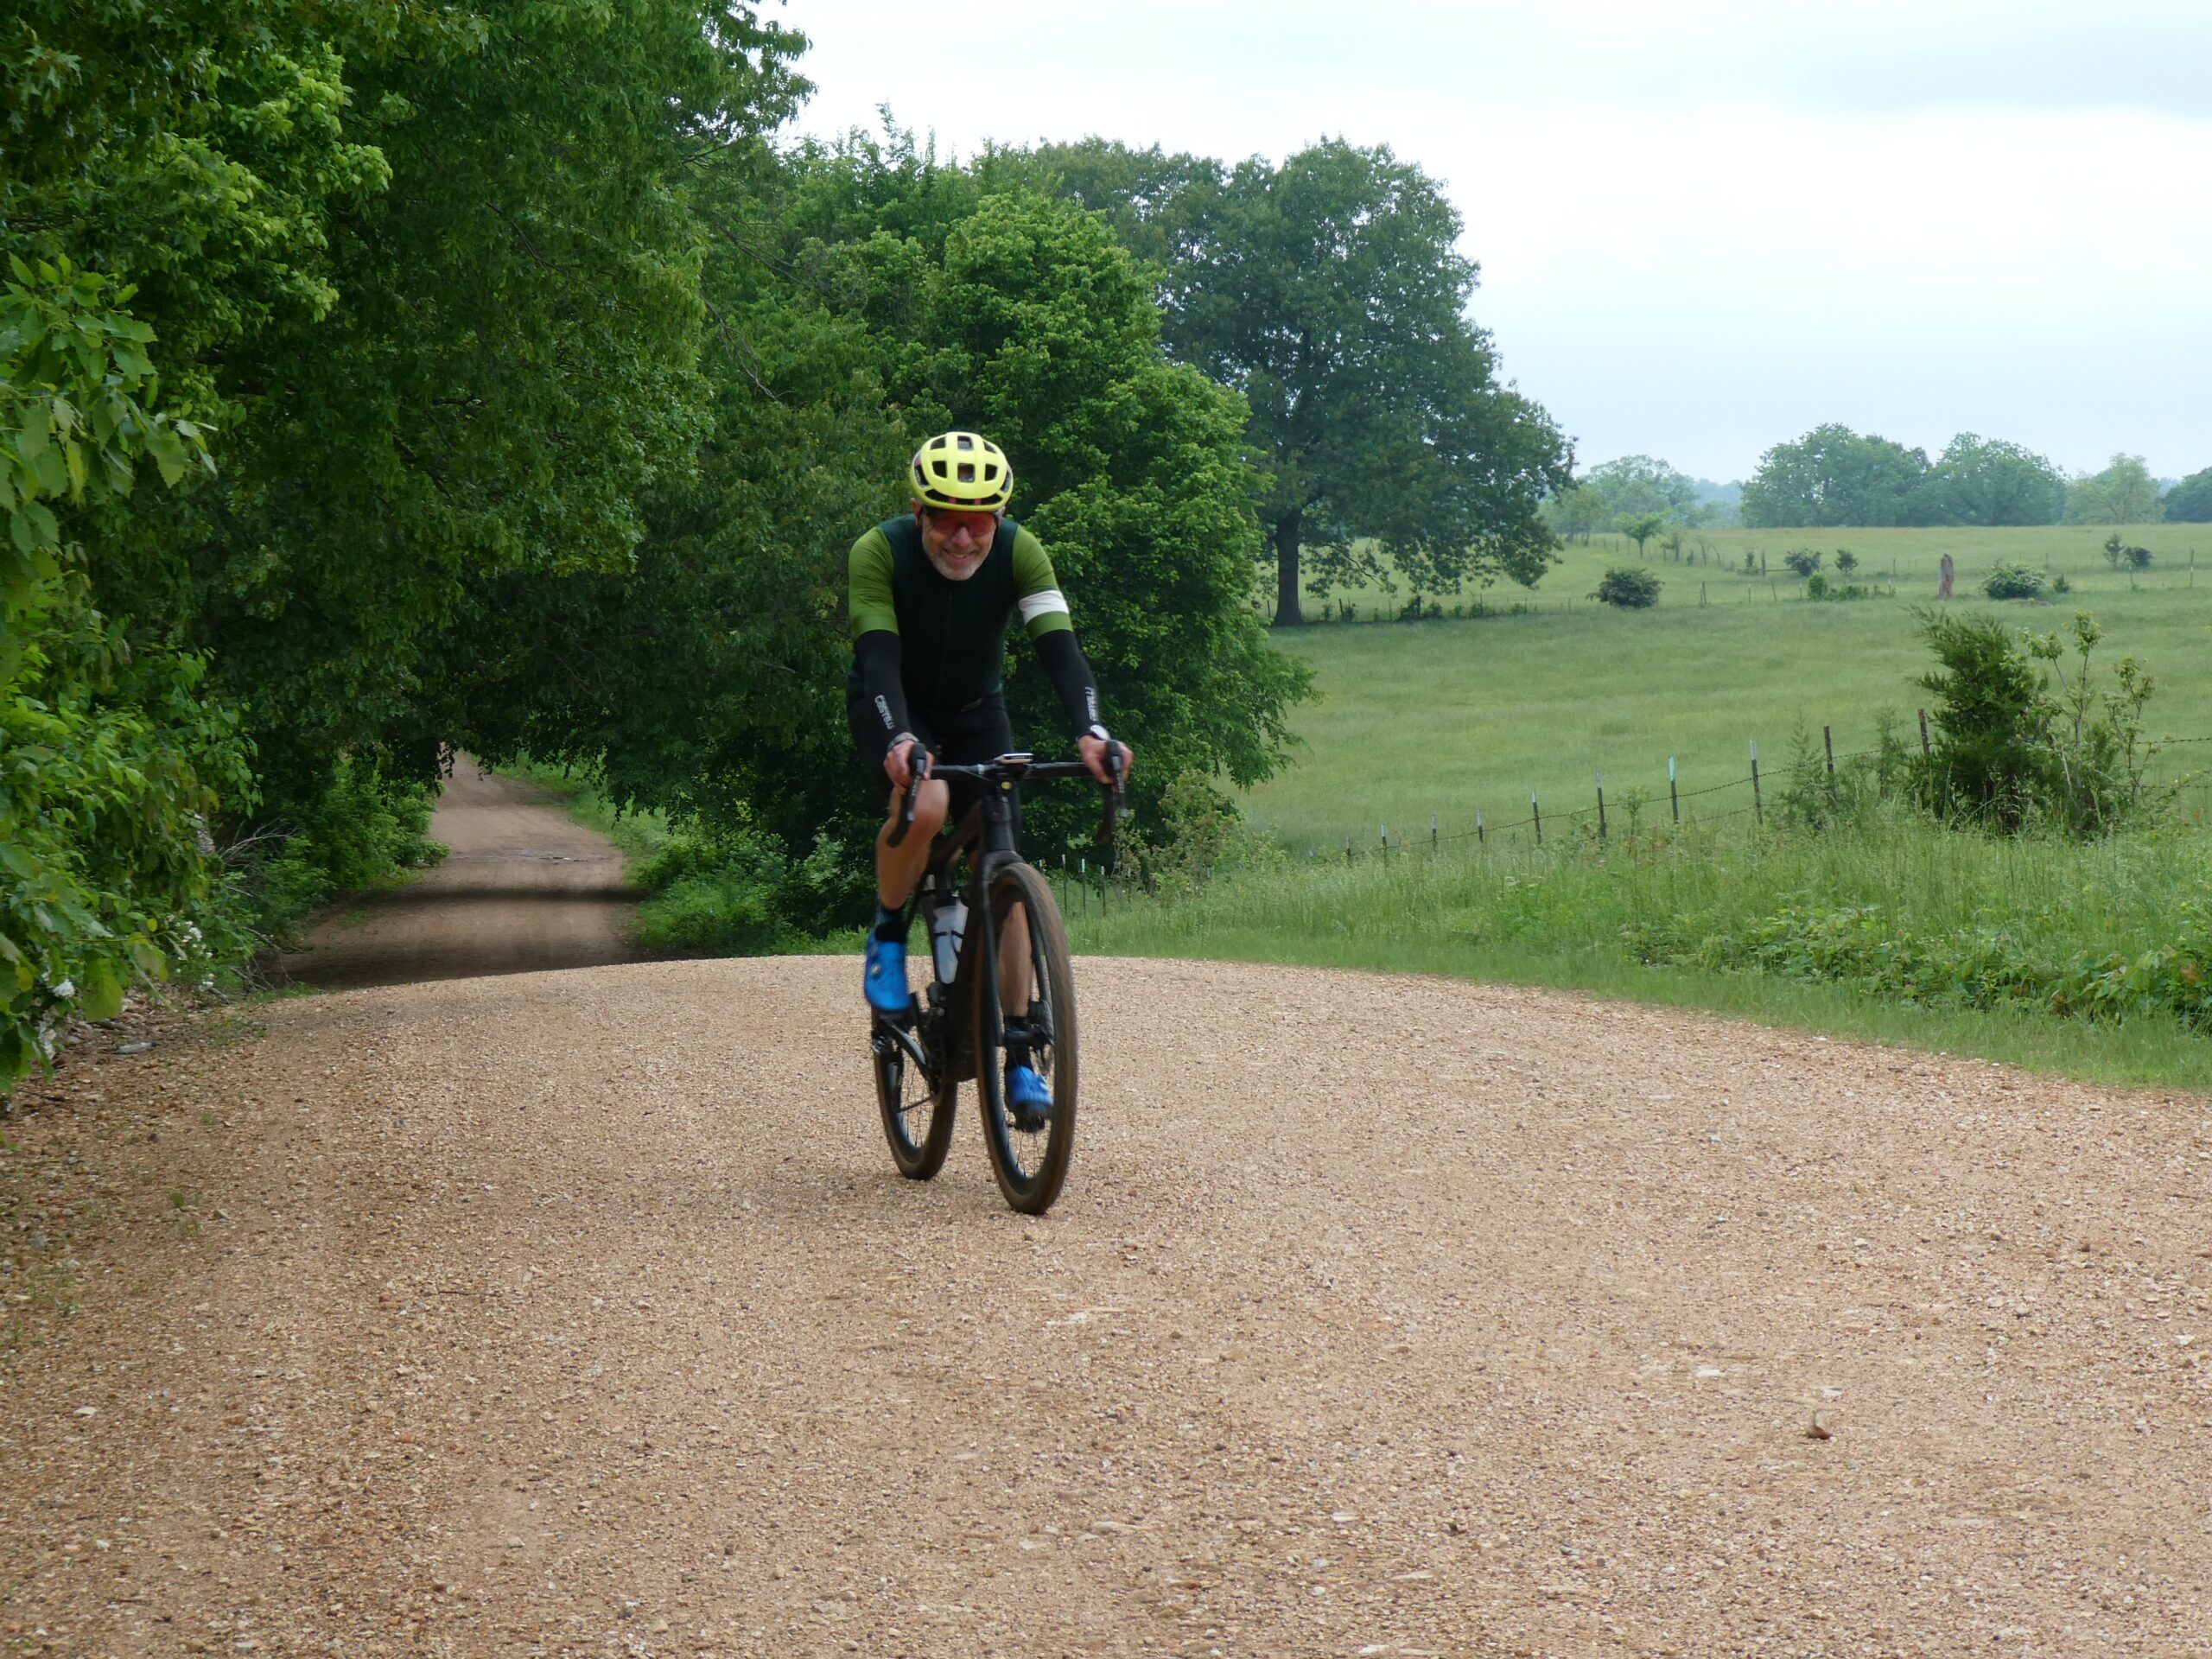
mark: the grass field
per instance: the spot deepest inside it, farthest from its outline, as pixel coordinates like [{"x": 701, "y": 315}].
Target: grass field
[{"x": 1449, "y": 715}]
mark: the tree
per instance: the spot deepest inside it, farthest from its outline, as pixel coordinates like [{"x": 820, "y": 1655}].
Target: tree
[
  {"x": 1329, "y": 293},
  {"x": 1980, "y": 480},
  {"x": 2123, "y": 493},
  {"x": 1640, "y": 527},
  {"x": 438, "y": 354},
  {"x": 2190, "y": 502},
  {"x": 1575, "y": 510},
  {"x": 867, "y": 297},
  {"x": 1833, "y": 476},
  {"x": 1638, "y": 484}
]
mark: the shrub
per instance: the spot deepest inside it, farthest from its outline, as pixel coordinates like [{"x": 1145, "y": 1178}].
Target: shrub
[
  {"x": 2007, "y": 753},
  {"x": 1846, "y": 560},
  {"x": 2010, "y": 580},
  {"x": 1629, "y": 587},
  {"x": 2119, "y": 556},
  {"x": 1198, "y": 832},
  {"x": 1802, "y": 560},
  {"x": 1863, "y": 948}
]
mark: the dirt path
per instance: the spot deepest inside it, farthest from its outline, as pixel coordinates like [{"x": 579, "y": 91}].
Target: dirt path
[
  {"x": 581, "y": 1314},
  {"x": 524, "y": 887}
]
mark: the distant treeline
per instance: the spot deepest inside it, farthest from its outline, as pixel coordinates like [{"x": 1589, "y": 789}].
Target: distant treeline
[{"x": 1834, "y": 477}]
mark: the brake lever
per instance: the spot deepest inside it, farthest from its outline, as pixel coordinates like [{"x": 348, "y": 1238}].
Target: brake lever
[
  {"x": 1117, "y": 806},
  {"x": 917, "y": 770}
]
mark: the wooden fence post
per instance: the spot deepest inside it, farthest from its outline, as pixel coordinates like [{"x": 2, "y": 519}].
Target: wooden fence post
[
  {"x": 1827, "y": 740},
  {"x": 1432, "y": 835},
  {"x": 1673, "y": 796},
  {"x": 1758, "y": 807},
  {"x": 1601, "y": 806},
  {"x": 1537, "y": 813},
  {"x": 1482, "y": 835},
  {"x": 1386, "y": 843}
]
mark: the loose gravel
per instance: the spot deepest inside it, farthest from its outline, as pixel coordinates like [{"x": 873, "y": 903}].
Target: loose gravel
[{"x": 583, "y": 1313}]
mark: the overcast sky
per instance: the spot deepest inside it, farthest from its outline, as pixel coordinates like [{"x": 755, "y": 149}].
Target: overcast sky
[{"x": 1705, "y": 226}]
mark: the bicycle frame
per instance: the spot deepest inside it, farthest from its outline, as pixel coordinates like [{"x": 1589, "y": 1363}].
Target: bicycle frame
[{"x": 988, "y": 830}]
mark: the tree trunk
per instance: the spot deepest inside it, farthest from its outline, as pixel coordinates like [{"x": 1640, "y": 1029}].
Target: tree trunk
[{"x": 1287, "y": 614}]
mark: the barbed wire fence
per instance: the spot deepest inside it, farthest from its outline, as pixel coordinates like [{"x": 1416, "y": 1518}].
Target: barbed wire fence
[{"x": 1084, "y": 880}]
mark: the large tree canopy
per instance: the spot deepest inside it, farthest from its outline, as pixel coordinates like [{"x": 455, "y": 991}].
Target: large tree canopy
[
  {"x": 1330, "y": 292},
  {"x": 1833, "y": 476},
  {"x": 2123, "y": 493},
  {"x": 874, "y": 296},
  {"x": 1980, "y": 480},
  {"x": 2190, "y": 502}
]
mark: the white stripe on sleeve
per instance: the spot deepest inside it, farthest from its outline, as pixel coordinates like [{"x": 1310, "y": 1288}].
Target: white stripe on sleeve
[{"x": 1042, "y": 604}]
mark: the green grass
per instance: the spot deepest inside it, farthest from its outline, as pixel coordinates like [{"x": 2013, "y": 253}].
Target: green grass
[
  {"x": 1561, "y": 917},
  {"x": 1449, "y": 716}
]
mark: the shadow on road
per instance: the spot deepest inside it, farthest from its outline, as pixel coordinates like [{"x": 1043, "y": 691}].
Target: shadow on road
[{"x": 524, "y": 889}]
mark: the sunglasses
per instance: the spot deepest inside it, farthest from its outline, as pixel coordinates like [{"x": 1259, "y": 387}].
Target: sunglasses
[{"x": 980, "y": 525}]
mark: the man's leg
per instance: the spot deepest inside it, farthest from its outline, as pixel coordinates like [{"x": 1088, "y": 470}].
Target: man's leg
[{"x": 897, "y": 869}]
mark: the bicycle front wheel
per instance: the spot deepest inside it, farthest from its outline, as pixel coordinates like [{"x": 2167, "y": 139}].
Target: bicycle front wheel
[
  {"x": 916, "y": 1101},
  {"x": 1030, "y": 1146}
]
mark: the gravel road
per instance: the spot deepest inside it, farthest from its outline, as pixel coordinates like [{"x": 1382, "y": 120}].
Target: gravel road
[
  {"x": 582, "y": 1313},
  {"x": 524, "y": 887}
]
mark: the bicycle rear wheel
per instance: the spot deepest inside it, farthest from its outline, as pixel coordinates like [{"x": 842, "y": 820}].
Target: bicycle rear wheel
[
  {"x": 915, "y": 1102},
  {"x": 1029, "y": 1154}
]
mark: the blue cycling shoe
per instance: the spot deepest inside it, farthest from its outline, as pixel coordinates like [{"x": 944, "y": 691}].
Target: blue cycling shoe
[
  {"x": 1028, "y": 1100},
  {"x": 884, "y": 978}
]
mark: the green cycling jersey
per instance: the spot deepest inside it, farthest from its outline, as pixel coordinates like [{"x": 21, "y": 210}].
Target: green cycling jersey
[{"x": 951, "y": 634}]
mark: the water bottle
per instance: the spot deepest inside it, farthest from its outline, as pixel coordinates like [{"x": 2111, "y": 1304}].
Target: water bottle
[{"x": 946, "y": 926}]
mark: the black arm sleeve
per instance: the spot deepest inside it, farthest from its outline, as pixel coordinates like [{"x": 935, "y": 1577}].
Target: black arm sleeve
[
  {"x": 1063, "y": 661},
  {"x": 877, "y": 653}
]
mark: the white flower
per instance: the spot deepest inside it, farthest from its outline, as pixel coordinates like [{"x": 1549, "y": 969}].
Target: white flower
[{"x": 65, "y": 989}]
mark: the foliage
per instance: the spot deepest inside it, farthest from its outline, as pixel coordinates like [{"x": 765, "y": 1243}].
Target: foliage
[
  {"x": 1641, "y": 527},
  {"x": 1196, "y": 834},
  {"x": 111, "y": 762},
  {"x": 2123, "y": 493},
  {"x": 1804, "y": 560},
  {"x": 2119, "y": 556},
  {"x": 2008, "y": 754},
  {"x": 1980, "y": 480},
  {"x": 1630, "y": 587},
  {"x": 1818, "y": 586},
  {"x": 1330, "y": 292},
  {"x": 1576, "y": 511},
  {"x": 869, "y": 295},
  {"x": 1634, "y": 484},
  {"x": 1846, "y": 561},
  {"x": 2190, "y": 502},
  {"x": 2008, "y": 578},
  {"x": 1834, "y": 476},
  {"x": 1866, "y": 948}
]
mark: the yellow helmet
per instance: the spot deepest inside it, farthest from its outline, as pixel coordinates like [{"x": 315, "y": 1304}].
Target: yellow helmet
[{"x": 962, "y": 471}]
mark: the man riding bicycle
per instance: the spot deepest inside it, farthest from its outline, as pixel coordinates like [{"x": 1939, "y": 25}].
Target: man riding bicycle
[{"x": 931, "y": 595}]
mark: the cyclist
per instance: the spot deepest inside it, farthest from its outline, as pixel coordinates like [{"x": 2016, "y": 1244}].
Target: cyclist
[{"x": 931, "y": 594}]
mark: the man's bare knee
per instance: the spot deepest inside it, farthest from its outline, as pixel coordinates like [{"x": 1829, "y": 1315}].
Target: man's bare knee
[{"x": 930, "y": 807}]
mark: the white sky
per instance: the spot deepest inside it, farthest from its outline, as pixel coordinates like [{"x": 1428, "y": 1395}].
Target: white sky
[{"x": 1704, "y": 226}]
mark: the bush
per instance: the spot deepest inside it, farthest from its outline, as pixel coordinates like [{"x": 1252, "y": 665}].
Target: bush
[
  {"x": 739, "y": 892},
  {"x": 1801, "y": 560},
  {"x": 1197, "y": 835},
  {"x": 355, "y": 834},
  {"x": 1628, "y": 587},
  {"x": 1862, "y": 947},
  {"x": 2007, "y": 753},
  {"x": 2010, "y": 580},
  {"x": 1846, "y": 560},
  {"x": 2121, "y": 556},
  {"x": 1818, "y": 586}
]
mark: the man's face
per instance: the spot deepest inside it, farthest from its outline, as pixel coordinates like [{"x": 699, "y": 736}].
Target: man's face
[{"x": 957, "y": 542}]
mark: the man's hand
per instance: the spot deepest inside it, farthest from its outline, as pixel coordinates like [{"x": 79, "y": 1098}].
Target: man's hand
[
  {"x": 1093, "y": 750},
  {"x": 900, "y": 762}
]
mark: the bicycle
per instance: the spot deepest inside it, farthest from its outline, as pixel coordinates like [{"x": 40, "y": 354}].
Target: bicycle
[{"x": 957, "y": 1029}]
